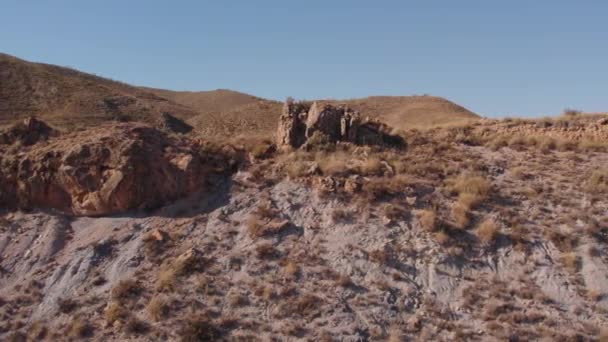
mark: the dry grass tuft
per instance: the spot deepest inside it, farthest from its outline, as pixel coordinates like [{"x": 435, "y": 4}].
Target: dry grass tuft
[
  {"x": 472, "y": 184},
  {"x": 157, "y": 308},
  {"x": 428, "y": 220},
  {"x": 266, "y": 251},
  {"x": 199, "y": 328},
  {"x": 79, "y": 329},
  {"x": 487, "y": 231},
  {"x": 114, "y": 312},
  {"x": 442, "y": 238},
  {"x": 597, "y": 182},
  {"x": 571, "y": 261},
  {"x": 126, "y": 289},
  {"x": 291, "y": 269}
]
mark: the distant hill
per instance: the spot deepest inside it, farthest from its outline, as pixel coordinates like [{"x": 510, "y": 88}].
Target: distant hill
[
  {"x": 405, "y": 112},
  {"x": 67, "y": 98}
]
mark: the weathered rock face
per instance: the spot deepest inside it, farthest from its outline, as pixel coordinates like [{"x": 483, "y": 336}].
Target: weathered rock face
[
  {"x": 109, "y": 169},
  {"x": 28, "y": 132},
  {"x": 300, "y": 121}
]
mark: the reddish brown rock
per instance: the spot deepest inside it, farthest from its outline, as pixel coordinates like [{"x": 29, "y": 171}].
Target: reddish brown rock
[
  {"x": 28, "y": 132},
  {"x": 113, "y": 168},
  {"x": 301, "y": 122}
]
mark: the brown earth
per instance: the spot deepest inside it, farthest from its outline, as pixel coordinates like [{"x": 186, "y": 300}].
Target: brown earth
[
  {"x": 69, "y": 99},
  {"x": 488, "y": 230},
  {"x": 464, "y": 235}
]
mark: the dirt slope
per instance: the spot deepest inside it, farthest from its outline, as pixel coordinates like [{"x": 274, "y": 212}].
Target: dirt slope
[
  {"x": 66, "y": 98},
  {"x": 404, "y": 112},
  {"x": 449, "y": 240}
]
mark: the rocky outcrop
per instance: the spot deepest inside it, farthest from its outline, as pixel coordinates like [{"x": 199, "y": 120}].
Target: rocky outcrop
[
  {"x": 28, "y": 132},
  {"x": 300, "y": 121},
  {"x": 109, "y": 169}
]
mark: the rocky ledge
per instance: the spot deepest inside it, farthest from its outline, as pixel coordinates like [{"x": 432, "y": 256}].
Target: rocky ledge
[{"x": 104, "y": 170}]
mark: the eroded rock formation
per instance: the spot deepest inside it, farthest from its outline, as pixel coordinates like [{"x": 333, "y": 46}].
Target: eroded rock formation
[
  {"x": 108, "y": 169},
  {"x": 28, "y": 132},
  {"x": 300, "y": 121}
]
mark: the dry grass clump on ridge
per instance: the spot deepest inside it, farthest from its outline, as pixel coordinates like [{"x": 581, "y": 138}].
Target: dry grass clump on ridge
[
  {"x": 472, "y": 190},
  {"x": 487, "y": 231}
]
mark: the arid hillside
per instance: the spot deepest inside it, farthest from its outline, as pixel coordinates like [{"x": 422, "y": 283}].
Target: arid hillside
[
  {"x": 490, "y": 231},
  {"x": 68, "y": 99}
]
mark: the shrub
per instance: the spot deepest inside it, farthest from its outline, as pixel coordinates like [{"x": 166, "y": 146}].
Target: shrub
[
  {"x": 571, "y": 112},
  {"x": 441, "y": 238},
  {"x": 487, "y": 231},
  {"x": 114, "y": 312},
  {"x": 371, "y": 166},
  {"x": 157, "y": 308},
  {"x": 79, "y": 329},
  {"x": 471, "y": 184},
  {"x": 307, "y": 305},
  {"x": 266, "y": 251},
  {"x": 167, "y": 276},
  {"x": 291, "y": 269},
  {"x": 135, "y": 326},
  {"x": 199, "y": 328},
  {"x": 126, "y": 289},
  {"x": 334, "y": 164},
  {"x": 597, "y": 181},
  {"x": 66, "y": 305},
  {"x": 570, "y": 261},
  {"x": 460, "y": 214},
  {"x": 428, "y": 220},
  {"x": 344, "y": 280}
]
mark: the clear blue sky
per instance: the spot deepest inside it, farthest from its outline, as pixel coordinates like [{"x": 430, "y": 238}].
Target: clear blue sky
[{"x": 516, "y": 57}]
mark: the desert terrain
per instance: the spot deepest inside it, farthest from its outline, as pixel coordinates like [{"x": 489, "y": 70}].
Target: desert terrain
[{"x": 139, "y": 214}]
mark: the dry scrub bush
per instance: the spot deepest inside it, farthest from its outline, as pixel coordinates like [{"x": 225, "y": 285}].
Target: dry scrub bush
[
  {"x": 371, "y": 166},
  {"x": 474, "y": 185},
  {"x": 597, "y": 182},
  {"x": 487, "y": 231},
  {"x": 266, "y": 251},
  {"x": 442, "y": 238},
  {"x": 199, "y": 328},
  {"x": 570, "y": 261},
  {"x": 114, "y": 312},
  {"x": 428, "y": 220},
  {"x": 157, "y": 308},
  {"x": 570, "y": 112},
  {"x": 460, "y": 214},
  {"x": 126, "y": 289},
  {"x": 79, "y": 329},
  {"x": 564, "y": 242},
  {"x": 334, "y": 164},
  {"x": 291, "y": 269},
  {"x": 171, "y": 270}
]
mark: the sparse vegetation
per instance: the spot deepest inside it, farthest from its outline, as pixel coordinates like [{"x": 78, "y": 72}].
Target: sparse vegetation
[
  {"x": 487, "y": 231},
  {"x": 199, "y": 328},
  {"x": 157, "y": 308},
  {"x": 79, "y": 329},
  {"x": 428, "y": 220},
  {"x": 126, "y": 289}
]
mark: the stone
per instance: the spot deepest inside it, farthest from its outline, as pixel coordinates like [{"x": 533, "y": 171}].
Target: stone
[
  {"x": 27, "y": 133},
  {"x": 301, "y": 121},
  {"x": 112, "y": 168}
]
